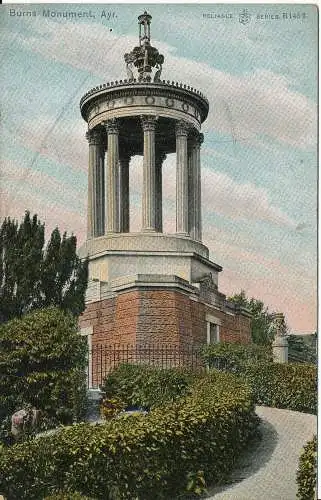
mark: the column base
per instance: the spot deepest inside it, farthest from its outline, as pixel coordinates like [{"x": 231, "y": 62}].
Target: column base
[
  {"x": 111, "y": 233},
  {"x": 186, "y": 235},
  {"x": 149, "y": 230}
]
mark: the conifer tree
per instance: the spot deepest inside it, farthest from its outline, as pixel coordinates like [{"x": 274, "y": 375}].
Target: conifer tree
[{"x": 32, "y": 276}]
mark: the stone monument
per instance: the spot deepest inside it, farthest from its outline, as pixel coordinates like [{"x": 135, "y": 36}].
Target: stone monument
[
  {"x": 280, "y": 345},
  {"x": 149, "y": 287}
]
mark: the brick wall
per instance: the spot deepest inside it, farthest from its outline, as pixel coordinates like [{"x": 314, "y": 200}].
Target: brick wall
[
  {"x": 155, "y": 318},
  {"x": 159, "y": 317}
]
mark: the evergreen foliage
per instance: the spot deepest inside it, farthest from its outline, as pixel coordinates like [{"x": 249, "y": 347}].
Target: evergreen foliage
[
  {"x": 33, "y": 277},
  {"x": 176, "y": 448},
  {"x": 233, "y": 356},
  {"x": 292, "y": 386},
  {"x": 306, "y": 476},
  {"x": 43, "y": 362},
  {"x": 147, "y": 386}
]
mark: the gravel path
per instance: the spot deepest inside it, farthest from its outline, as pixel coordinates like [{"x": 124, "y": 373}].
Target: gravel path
[{"x": 268, "y": 471}]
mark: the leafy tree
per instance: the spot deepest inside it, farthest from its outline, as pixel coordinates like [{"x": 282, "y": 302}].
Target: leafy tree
[
  {"x": 32, "y": 276},
  {"x": 43, "y": 362},
  {"x": 261, "y": 317}
]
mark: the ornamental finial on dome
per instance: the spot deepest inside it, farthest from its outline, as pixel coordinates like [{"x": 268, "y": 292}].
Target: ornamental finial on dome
[{"x": 145, "y": 57}]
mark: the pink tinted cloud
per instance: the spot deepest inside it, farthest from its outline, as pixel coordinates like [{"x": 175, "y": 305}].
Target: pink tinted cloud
[
  {"x": 51, "y": 200},
  {"x": 276, "y": 293},
  {"x": 280, "y": 287}
]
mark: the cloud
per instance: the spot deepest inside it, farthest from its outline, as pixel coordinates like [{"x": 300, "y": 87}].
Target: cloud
[
  {"x": 277, "y": 293},
  {"x": 248, "y": 106},
  {"x": 221, "y": 194},
  {"x": 65, "y": 144},
  {"x": 54, "y": 202}
]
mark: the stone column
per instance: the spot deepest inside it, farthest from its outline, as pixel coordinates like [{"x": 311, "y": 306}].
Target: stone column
[
  {"x": 100, "y": 190},
  {"x": 191, "y": 156},
  {"x": 94, "y": 140},
  {"x": 149, "y": 180},
  {"x": 198, "y": 189},
  {"x": 160, "y": 157},
  {"x": 181, "y": 178},
  {"x": 112, "y": 219},
  {"x": 124, "y": 192}
]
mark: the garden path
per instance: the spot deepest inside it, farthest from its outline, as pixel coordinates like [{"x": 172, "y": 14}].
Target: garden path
[{"x": 268, "y": 470}]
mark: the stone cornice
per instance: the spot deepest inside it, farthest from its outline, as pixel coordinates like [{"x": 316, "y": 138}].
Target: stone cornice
[{"x": 126, "y": 88}]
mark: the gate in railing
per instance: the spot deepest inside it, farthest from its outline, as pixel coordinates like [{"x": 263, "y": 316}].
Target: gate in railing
[{"x": 105, "y": 358}]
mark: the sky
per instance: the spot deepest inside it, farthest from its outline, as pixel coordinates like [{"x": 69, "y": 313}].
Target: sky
[{"x": 259, "y": 156}]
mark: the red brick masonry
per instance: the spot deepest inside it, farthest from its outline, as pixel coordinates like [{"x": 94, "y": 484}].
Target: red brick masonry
[{"x": 142, "y": 317}]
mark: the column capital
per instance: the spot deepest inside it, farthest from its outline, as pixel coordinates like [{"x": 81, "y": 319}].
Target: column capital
[
  {"x": 195, "y": 140},
  {"x": 93, "y": 137},
  {"x": 148, "y": 122},
  {"x": 111, "y": 126},
  {"x": 182, "y": 128}
]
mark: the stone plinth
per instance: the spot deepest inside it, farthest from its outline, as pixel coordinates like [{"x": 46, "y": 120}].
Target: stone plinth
[
  {"x": 280, "y": 348},
  {"x": 127, "y": 254}
]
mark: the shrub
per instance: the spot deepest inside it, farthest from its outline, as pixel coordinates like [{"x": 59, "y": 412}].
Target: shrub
[
  {"x": 307, "y": 473},
  {"x": 147, "y": 386},
  {"x": 233, "y": 356},
  {"x": 110, "y": 407},
  {"x": 68, "y": 495},
  {"x": 43, "y": 363},
  {"x": 173, "y": 448},
  {"x": 290, "y": 386}
]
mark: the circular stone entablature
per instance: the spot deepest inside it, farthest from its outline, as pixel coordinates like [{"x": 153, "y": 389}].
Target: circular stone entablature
[{"x": 129, "y": 99}]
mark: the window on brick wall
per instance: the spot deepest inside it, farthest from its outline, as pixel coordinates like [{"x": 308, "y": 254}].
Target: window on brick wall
[{"x": 213, "y": 333}]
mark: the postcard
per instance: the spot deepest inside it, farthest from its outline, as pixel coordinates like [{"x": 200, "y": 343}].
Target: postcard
[{"x": 178, "y": 143}]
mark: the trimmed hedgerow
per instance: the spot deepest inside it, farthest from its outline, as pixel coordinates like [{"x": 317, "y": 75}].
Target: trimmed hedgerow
[
  {"x": 290, "y": 386},
  {"x": 68, "y": 495},
  {"x": 306, "y": 476},
  {"x": 159, "y": 455},
  {"x": 233, "y": 356},
  {"x": 147, "y": 386}
]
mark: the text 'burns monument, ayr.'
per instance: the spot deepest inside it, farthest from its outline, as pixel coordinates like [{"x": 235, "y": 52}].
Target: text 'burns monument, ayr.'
[{"x": 149, "y": 287}]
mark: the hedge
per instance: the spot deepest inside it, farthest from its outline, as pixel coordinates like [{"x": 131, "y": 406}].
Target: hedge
[
  {"x": 173, "y": 448},
  {"x": 68, "y": 495},
  {"x": 289, "y": 386},
  {"x": 147, "y": 386},
  {"x": 43, "y": 362},
  {"x": 234, "y": 355},
  {"x": 292, "y": 386},
  {"x": 307, "y": 473}
]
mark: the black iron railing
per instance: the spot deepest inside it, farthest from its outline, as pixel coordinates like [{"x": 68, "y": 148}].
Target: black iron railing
[{"x": 105, "y": 358}]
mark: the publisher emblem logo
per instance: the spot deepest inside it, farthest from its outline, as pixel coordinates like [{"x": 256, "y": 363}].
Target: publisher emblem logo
[{"x": 244, "y": 17}]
